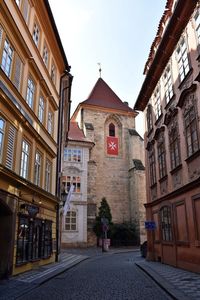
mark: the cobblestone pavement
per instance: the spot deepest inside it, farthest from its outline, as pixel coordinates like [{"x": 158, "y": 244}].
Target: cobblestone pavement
[
  {"x": 117, "y": 274},
  {"x": 179, "y": 283},
  {"x": 102, "y": 277}
]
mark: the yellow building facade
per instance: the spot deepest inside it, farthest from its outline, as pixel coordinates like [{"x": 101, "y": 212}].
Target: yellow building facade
[{"x": 35, "y": 87}]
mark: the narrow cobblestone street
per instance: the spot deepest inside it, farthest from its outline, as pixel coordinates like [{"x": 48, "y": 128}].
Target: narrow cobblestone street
[{"x": 113, "y": 276}]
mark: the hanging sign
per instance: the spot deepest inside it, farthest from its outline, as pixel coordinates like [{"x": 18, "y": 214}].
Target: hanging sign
[{"x": 112, "y": 145}]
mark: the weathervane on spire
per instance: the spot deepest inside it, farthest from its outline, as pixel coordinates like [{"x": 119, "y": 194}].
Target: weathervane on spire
[{"x": 99, "y": 69}]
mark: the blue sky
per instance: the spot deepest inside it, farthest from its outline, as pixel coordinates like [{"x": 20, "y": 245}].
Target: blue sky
[{"x": 116, "y": 33}]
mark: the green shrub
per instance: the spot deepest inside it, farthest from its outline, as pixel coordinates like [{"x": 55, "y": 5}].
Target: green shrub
[{"x": 104, "y": 212}]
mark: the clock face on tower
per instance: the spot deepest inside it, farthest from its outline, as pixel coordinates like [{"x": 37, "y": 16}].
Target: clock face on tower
[{"x": 112, "y": 145}]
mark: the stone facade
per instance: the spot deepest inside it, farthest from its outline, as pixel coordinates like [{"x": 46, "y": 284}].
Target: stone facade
[{"x": 114, "y": 176}]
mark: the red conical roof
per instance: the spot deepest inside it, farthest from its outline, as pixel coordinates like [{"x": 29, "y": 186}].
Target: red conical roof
[{"x": 102, "y": 95}]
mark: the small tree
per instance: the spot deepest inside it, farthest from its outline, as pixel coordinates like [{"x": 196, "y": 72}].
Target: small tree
[{"x": 104, "y": 212}]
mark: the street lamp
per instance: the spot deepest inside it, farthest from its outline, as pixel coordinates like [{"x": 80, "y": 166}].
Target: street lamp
[{"x": 63, "y": 198}]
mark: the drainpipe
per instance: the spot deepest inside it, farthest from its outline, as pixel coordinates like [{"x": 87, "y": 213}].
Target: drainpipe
[{"x": 60, "y": 141}]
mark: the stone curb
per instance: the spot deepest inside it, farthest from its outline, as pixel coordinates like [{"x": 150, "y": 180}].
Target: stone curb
[{"x": 166, "y": 286}]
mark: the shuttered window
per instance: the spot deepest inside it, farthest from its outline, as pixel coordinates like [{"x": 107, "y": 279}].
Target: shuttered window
[
  {"x": 1, "y": 34},
  {"x": 17, "y": 72},
  {"x": 10, "y": 147},
  {"x": 26, "y": 9}
]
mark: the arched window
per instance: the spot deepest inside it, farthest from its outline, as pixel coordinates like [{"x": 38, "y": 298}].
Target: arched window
[{"x": 111, "y": 129}]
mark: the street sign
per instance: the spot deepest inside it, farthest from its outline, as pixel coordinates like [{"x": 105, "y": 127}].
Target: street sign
[{"x": 150, "y": 225}]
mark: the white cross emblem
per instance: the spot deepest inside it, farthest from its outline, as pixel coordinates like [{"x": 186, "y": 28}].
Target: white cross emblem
[{"x": 112, "y": 145}]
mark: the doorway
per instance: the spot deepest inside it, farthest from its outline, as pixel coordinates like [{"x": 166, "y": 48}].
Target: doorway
[{"x": 6, "y": 222}]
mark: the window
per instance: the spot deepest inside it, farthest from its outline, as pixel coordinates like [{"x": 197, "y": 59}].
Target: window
[
  {"x": 30, "y": 92},
  {"x": 111, "y": 129},
  {"x": 48, "y": 176},
  {"x": 149, "y": 118},
  {"x": 166, "y": 223},
  {"x": 2, "y": 133},
  {"x": 76, "y": 181},
  {"x": 70, "y": 221},
  {"x": 72, "y": 155},
  {"x": 191, "y": 130},
  {"x": 197, "y": 24},
  {"x": 36, "y": 34},
  {"x": 53, "y": 73},
  {"x": 174, "y": 148},
  {"x": 24, "y": 159},
  {"x": 168, "y": 84},
  {"x": 37, "y": 170},
  {"x": 157, "y": 103},
  {"x": 34, "y": 239},
  {"x": 45, "y": 55},
  {"x": 41, "y": 109},
  {"x": 182, "y": 59},
  {"x": 152, "y": 166},
  {"x": 162, "y": 156},
  {"x": 50, "y": 123},
  {"x": 7, "y": 58},
  {"x": 17, "y": 72}
]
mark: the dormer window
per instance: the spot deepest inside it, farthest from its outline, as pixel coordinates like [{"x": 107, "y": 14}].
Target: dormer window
[{"x": 111, "y": 129}]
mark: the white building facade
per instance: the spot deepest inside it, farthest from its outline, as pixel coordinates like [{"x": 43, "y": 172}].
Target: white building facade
[{"x": 74, "y": 171}]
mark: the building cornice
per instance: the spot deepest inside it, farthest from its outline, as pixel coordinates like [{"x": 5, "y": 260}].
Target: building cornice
[
  {"x": 171, "y": 36},
  {"x": 178, "y": 192}
]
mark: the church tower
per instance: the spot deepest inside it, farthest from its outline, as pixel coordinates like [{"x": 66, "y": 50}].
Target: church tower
[{"x": 116, "y": 163}]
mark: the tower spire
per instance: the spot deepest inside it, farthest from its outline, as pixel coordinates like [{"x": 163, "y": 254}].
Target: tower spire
[{"x": 99, "y": 69}]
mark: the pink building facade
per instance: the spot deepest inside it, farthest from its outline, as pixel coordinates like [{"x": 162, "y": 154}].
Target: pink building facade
[{"x": 170, "y": 98}]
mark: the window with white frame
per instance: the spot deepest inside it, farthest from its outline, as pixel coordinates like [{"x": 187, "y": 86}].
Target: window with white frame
[
  {"x": 157, "y": 103},
  {"x": 7, "y": 58},
  {"x": 2, "y": 134},
  {"x": 71, "y": 220},
  {"x": 50, "y": 123},
  {"x": 45, "y": 55},
  {"x": 30, "y": 92},
  {"x": 72, "y": 155},
  {"x": 75, "y": 180},
  {"x": 182, "y": 59},
  {"x": 167, "y": 76},
  {"x": 25, "y": 154},
  {"x": 48, "y": 176},
  {"x": 197, "y": 24},
  {"x": 36, "y": 34},
  {"x": 37, "y": 170},
  {"x": 41, "y": 109}
]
